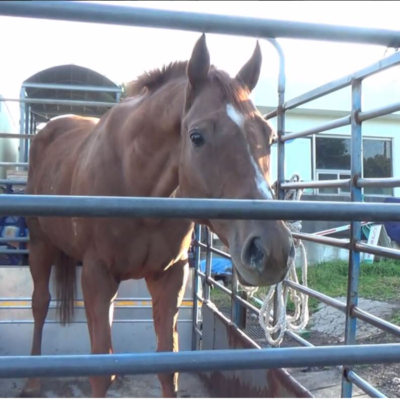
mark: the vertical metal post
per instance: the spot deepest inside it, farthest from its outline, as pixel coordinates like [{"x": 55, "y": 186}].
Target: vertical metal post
[
  {"x": 314, "y": 161},
  {"x": 22, "y": 107},
  {"x": 209, "y": 242},
  {"x": 238, "y": 312},
  {"x": 234, "y": 304},
  {"x": 197, "y": 235},
  {"x": 280, "y": 132},
  {"x": 354, "y": 259},
  {"x": 27, "y": 131}
]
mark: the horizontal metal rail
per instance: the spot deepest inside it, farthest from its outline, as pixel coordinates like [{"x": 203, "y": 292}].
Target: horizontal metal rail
[
  {"x": 297, "y": 338},
  {"x": 356, "y": 312},
  {"x": 378, "y": 112},
  {"x": 198, "y": 361},
  {"x": 378, "y": 182},
  {"x": 336, "y": 183},
  {"x": 198, "y": 332},
  {"x": 213, "y": 282},
  {"x": 376, "y": 321},
  {"x": 82, "y": 307},
  {"x": 57, "y": 102},
  {"x": 247, "y": 305},
  {"x": 13, "y": 251},
  {"x": 18, "y": 304},
  {"x": 200, "y": 298},
  {"x": 316, "y": 295},
  {"x": 83, "y": 88},
  {"x": 137, "y": 207},
  {"x": 14, "y": 240},
  {"x": 12, "y": 182},
  {"x": 339, "y": 229},
  {"x": 341, "y": 83},
  {"x": 115, "y": 321},
  {"x": 13, "y": 164},
  {"x": 378, "y": 250},
  {"x": 213, "y": 250},
  {"x": 16, "y": 136},
  {"x": 117, "y": 300},
  {"x": 271, "y": 114},
  {"x": 337, "y": 123},
  {"x": 364, "y": 385},
  {"x": 341, "y": 243},
  {"x": 196, "y": 22}
]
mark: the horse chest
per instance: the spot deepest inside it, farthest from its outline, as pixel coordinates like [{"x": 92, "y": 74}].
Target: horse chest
[{"x": 134, "y": 250}]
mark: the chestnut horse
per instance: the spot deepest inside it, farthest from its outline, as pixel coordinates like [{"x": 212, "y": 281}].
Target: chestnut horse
[{"x": 188, "y": 130}]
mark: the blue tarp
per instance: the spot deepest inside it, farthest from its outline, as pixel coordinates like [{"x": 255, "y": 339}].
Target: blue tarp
[
  {"x": 20, "y": 230},
  {"x": 393, "y": 228},
  {"x": 220, "y": 266}
]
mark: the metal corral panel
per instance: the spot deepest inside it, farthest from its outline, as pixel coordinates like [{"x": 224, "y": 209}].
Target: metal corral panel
[
  {"x": 217, "y": 335},
  {"x": 133, "y": 330}
]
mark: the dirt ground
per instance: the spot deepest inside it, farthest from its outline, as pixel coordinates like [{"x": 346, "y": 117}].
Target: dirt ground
[
  {"x": 385, "y": 378},
  {"x": 146, "y": 386}
]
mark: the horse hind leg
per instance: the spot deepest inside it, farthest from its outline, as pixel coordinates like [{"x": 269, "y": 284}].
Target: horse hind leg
[{"x": 41, "y": 257}]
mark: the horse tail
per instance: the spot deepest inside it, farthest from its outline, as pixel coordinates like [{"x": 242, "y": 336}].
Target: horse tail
[{"x": 65, "y": 286}]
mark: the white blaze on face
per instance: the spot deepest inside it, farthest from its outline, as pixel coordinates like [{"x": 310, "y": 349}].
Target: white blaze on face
[
  {"x": 261, "y": 182},
  {"x": 235, "y": 116},
  {"x": 262, "y": 185}
]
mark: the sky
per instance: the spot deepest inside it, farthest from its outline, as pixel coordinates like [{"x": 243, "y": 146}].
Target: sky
[{"x": 122, "y": 53}]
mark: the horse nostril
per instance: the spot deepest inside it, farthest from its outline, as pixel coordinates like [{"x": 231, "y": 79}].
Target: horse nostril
[{"x": 255, "y": 252}]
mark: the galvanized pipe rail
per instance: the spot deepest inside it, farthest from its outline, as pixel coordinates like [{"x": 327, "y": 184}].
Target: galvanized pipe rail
[
  {"x": 196, "y": 22},
  {"x": 16, "y": 136},
  {"x": 138, "y": 207},
  {"x": 57, "y": 102},
  {"x": 346, "y": 81},
  {"x": 14, "y": 164},
  {"x": 83, "y": 88},
  {"x": 201, "y": 361}
]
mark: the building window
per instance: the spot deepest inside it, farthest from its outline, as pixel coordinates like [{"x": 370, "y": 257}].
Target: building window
[{"x": 333, "y": 162}]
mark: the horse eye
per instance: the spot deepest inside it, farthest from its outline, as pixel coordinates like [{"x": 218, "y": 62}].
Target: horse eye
[{"x": 197, "y": 139}]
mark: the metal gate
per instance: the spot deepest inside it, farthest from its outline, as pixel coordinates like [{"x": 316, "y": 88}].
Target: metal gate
[{"x": 356, "y": 211}]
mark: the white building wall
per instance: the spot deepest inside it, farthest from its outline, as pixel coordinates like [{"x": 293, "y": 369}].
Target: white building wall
[
  {"x": 379, "y": 90},
  {"x": 8, "y": 147}
]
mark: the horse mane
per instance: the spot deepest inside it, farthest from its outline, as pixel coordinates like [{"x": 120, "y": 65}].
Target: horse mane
[{"x": 152, "y": 80}]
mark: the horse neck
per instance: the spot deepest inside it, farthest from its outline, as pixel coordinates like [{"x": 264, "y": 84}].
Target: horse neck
[{"x": 151, "y": 159}]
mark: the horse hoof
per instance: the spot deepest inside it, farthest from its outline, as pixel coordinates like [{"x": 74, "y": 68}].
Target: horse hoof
[
  {"x": 29, "y": 394},
  {"x": 32, "y": 389}
]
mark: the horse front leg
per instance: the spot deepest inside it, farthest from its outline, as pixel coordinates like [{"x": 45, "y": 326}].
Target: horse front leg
[
  {"x": 99, "y": 290},
  {"x": 167, "y": 289}
]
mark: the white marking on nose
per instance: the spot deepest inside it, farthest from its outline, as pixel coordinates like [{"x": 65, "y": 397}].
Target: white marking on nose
[
  {"x": 261, "y": 183},
  {"x": 74, "y": 226},
  {"x": 235, "y": 115}
]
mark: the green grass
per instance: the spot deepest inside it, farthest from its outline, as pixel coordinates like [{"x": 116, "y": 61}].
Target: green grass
[
  {"x": 395, "y": 319},
  {"x": 220, "y": 299},
  {"x": 378, "y": 281}
]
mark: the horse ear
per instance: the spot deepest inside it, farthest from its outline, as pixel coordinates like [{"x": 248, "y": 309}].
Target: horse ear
[
  {"x": 199, "y": 64},
  {"x": 250, "y": 72}
]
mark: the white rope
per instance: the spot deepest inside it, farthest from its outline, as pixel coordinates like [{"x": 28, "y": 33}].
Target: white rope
[{"x": 299, "y": 320}]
